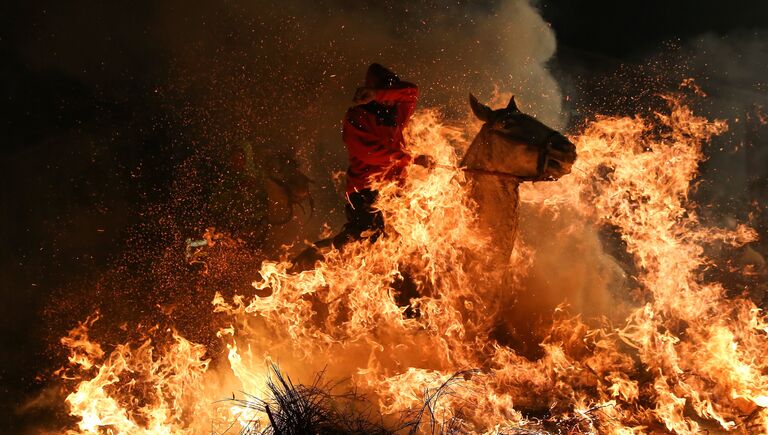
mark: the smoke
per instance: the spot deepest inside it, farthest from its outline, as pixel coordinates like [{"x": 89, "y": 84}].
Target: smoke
[
  {"x": 282, "y": 76},
  {"x": 725, "y": 75},
  {"x": 150, "y": 98},
  {"x": 734, "y": 187},
  {"x": 728, "y": 72},
  {"x": 729, "y": 68},
  {"x": 157, "y": 95},
  {"x": 279, "y": 77},
  {"x": 733, "y": 70}
]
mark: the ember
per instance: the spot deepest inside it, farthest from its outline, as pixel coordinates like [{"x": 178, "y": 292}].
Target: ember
[
  {"x": 684, "y": 358},
  {"x": 288, "y": 218}
]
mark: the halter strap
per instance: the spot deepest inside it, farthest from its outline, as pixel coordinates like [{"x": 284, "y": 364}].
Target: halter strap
[{"x": 543, "y": 161}]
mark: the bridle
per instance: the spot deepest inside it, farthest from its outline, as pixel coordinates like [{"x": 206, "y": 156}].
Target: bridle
[{"x": 542, "y": 164}]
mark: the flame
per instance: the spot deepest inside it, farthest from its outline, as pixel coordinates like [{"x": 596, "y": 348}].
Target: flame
[
  {"x": 135, "y": 390},
  {"x": 685, "y": 358}
]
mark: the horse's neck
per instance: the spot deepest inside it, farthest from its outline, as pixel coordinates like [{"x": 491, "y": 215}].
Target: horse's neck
[
  {"x": 497, "y": 200},
  {"x": 497, "y": 197}
]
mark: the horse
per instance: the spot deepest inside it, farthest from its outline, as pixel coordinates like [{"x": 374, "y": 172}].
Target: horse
[{"x": 512, "y": 147}]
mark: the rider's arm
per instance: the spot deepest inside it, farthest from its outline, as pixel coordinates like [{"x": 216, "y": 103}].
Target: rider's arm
[
  {"x": 405, "y": 95},
  {"x": 402, "y": 92},
  {"x": 368, "y": 147}
]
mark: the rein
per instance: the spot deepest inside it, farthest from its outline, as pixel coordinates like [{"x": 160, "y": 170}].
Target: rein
[{"x": 514, "y": 177}]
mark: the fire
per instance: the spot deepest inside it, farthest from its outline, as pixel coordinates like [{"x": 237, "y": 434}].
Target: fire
[
  {"x": 685, "y": 358},
  {"x": 154, "y": 392}
]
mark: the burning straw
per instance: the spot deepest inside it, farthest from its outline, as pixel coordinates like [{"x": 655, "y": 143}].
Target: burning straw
[{"x": 682, "y": 358}]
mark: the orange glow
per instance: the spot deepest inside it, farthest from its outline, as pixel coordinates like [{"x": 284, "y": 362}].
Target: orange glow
[{"x": 686, "y": 358}]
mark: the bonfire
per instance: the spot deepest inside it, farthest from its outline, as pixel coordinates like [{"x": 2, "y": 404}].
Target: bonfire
[{"x": 338, "y": 349}]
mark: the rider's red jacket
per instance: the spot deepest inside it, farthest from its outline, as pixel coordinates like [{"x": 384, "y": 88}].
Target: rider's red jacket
[{"x": 373, "y": 134}]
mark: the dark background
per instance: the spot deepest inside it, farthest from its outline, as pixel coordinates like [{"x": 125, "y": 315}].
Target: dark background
[{"x": 92, "y": 136}]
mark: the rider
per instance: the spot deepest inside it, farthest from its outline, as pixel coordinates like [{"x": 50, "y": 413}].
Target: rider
[{"x": 373, "y": 134}]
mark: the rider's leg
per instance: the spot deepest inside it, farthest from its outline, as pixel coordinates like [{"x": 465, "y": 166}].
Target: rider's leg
[{"x": 362, "y": 218}]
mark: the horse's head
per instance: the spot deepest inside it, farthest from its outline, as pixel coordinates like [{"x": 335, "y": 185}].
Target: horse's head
[{"x": 517, "y": 143}]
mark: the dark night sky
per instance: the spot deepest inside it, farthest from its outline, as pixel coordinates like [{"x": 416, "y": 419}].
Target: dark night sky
[
  {"x": 625, "y": 30},
  {"x": 81, "y": 113}
]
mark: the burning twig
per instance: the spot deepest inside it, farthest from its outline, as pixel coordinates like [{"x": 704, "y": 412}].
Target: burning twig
[
  {"x": 302, "y": 409},
  {"x": 433, "y": 396},
  {"x": 586, "y": 416}
]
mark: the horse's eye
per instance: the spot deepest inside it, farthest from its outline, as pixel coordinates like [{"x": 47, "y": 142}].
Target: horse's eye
[{"x": 509, "y": 123}]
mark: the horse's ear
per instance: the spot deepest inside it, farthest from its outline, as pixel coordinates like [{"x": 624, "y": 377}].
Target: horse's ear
[
  {"x": 512, "y": 105},
  {"x": 483, "y": 112}
]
